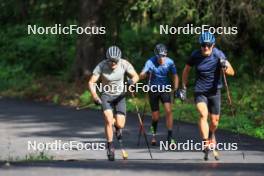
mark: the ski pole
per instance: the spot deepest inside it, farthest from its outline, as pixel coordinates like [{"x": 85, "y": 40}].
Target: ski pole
[
  {"x": 82, "y": 107},
  {"x": 143, "y": 114},
  {"x": 177, "y": 120},
  {"x": 231, "y": 107},
  {"x": 142, "y": 126},
  {"x": 140, "y": 129}
]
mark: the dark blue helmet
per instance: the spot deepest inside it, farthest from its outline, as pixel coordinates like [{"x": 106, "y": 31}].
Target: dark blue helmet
[
  {"x": 206, "y": 37},
  {"x": 160, "y": 50}
]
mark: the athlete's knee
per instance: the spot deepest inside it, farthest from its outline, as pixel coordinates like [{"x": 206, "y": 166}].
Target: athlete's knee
[
  {"x": 203, "y": 111},
  {"x": 203, "y": 116},
  {"x": 120, "y": 125},
  {"x": 120, "y": 121},
  {"x": 214, "y": 122},
  {"x": 168, "y": 112},
  {"x": 108, "y": 122},
  {"x": 108, "y": 116},
  {"x": 155, "y": 115}
]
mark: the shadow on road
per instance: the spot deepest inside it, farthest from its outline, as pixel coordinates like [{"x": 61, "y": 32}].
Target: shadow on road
[{"x": 66, "y": 122}]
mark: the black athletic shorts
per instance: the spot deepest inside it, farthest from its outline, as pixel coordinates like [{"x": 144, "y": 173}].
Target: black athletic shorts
[
  {"x": 155, "y": 97},
  {"x": 118, "y": 107},
  {"x": 212, "y": 99}
]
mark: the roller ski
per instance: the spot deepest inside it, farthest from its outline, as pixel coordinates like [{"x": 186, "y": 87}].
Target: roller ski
[
  {"x": 171, "y": 140},
  {"x": 207, "y": 151},
  {"x": 153, "y": 141},
  {"x": 212, "y": 142},
  {"x": 212, "y": 149},
  {"x": 216, "y": 154},
  {"x": 118, "y": 134},
  {"x": 111, "y": 153}
]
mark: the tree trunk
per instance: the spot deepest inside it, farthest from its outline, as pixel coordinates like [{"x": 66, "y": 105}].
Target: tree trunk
[{"x": 89, "y": 49}]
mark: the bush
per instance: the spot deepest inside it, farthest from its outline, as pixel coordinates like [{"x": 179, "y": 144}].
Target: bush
[
  {"x": 85, "y": 98},
  {"x": 38, "y": 54},
  {"x": 14, "y": 77}
]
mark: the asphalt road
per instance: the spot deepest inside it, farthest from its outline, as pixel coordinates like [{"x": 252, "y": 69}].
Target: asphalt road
[{"x": 24, "y": 121}]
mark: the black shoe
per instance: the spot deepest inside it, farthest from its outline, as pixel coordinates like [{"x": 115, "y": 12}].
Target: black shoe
[
  {"x": 111, "y": 154},
  {"x": 206, "y": 153}
]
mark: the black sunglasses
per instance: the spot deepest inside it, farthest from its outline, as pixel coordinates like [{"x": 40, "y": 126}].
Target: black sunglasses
[
  {"x": 209, "y": 45},
  {"x": 113, "y": 61},
  {"x": 161, "y": 55}
]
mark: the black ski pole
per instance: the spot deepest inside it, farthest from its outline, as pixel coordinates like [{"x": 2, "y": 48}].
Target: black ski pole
[
  {"x": 232, "y": 108},
  {"x": 144, "y": 111},
  {"x": 142, "y": 127}
]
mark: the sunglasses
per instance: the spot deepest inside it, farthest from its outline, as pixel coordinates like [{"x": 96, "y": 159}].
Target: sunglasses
[
  {"x": 208, "y": 45},
  {"x": 115, "y": 61},
  {"x": 161, "y": 55}
]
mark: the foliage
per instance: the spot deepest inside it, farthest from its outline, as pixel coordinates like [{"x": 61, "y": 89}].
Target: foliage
[
  {"x": 15, "y": 77},
  {"x": 38, "y": 54},
  {"x": 85, "y": 98},
  {"x": 38, "y": 66},
  {"x": 39, "y": 156}
]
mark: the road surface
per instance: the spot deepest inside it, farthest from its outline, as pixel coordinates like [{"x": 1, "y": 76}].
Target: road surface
[{"x": 23, "y": 121}]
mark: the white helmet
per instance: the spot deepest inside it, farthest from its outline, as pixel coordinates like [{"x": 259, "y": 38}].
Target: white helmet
[{"x": 113, "y": 53}]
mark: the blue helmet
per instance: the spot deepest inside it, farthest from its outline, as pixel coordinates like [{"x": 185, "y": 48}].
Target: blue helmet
[{"x": 206, "y": 37}]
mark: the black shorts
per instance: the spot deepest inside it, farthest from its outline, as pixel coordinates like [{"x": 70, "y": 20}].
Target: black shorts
[
  {"x": 213, "y": 101},
  {"x": 155, "y": 97},
  {"x": 119, "y": 107}
]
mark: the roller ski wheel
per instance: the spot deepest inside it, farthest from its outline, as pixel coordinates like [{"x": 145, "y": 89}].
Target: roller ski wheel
[
  {"x": 214, "y": 151},
  {"x": 207, "y": 151},
  {"x": 124, "y": 154},
  {"x": 216, "y": 155},
  {"x": 153, "y": 141},
  {"x": 118, "y": 134}
]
